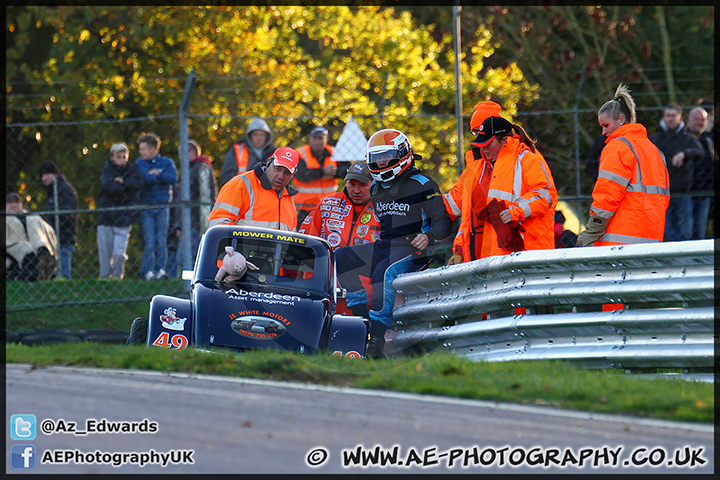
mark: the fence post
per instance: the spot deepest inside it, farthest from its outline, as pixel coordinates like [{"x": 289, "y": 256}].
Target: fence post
[
  {"x": 58, "y": 270},
  {"x": 458, "y": 89},
  {"x": 185, "y": 244},
  {"x": 577, "y": 151}
]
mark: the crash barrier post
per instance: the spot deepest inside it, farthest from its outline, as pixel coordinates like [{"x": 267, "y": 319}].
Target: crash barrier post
[{"x": 547, "y": 304}]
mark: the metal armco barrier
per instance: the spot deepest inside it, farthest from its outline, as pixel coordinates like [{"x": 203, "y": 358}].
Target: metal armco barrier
[{"x": 664, "y": 292}]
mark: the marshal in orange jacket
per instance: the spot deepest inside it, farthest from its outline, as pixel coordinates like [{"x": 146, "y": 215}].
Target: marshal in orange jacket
[
  {"x": 469, "y": 195},
  {"x": 522, "y": 179},
  {"x": 340, "y": 222},
  {"x": 632, "y": 188},
  {"x": 311, "y": 192},
  {"x": 248, "y": 199}
]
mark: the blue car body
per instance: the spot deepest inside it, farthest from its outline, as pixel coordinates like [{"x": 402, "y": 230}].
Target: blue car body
[{"x": 288, "y": 304}]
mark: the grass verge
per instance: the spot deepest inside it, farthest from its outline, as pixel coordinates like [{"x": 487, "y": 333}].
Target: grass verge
[{"x": 547, "y": 383}]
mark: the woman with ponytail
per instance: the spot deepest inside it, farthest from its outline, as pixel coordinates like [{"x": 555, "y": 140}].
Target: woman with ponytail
[
  {"x": 521, "y": 195},
  {"x": 631, "y": 194}
]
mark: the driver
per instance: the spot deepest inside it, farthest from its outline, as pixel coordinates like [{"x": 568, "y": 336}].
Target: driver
[{"x": 412, "y": 217}]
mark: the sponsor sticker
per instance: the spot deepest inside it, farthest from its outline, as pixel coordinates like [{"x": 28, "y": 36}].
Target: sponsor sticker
[
  {"x": 171, "y": 321},
  {"x": 362, "y": 230},
  {"x": 334, "y": 239},
  {"x": 259, "y": 325}
]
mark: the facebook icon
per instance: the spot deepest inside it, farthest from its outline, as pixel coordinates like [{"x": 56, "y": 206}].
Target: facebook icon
[{"x": 22, "y": 457}]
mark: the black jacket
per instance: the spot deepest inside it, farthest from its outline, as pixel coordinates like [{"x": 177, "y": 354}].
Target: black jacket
[
  {"x": 198, "y": 213},
  {"x": 410, "y": 204},
  {"x": 67, "y": 200},
  {"x": 705, "y": 165},
  {"x": 116, "y": 194},
  {"x": 670, "y": 143}
]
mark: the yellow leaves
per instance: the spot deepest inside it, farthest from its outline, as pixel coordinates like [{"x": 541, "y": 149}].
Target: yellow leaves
[
  {"x": 84, "y": 35},
  {"x": 700, "y": 404}
]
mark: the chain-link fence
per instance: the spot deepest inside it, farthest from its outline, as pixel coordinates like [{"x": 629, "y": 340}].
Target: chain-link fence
[{"x": 82, "y": 149}]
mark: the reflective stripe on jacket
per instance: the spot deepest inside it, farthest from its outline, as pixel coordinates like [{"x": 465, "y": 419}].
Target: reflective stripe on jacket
[
  {"x": 632, "y": 189},
  {"x": 310, "y": 193},
  {"x": 340, "y": 222},
  {"x": 465, "y": 199},
  {"x": 241, "y": 157},
  {"x": 248, "y": 199},
  {"x": 522, "y": 179}
]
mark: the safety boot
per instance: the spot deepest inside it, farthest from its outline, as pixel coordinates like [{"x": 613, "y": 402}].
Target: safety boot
[{"x": 376, "y": 344}]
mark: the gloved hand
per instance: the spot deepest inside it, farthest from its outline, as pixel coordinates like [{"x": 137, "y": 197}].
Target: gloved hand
[
  {"x": 503, "y": 231},
  {"x": 517, "y": 244},
  {"x": 594, "y": 229},
  {"x": 455, "y": 259}
]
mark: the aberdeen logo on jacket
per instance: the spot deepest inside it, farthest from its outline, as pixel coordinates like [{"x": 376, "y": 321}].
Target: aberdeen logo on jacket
[{"x": 392, "y": 208}]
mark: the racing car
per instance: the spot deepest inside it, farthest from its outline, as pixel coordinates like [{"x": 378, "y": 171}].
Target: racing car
[{"x": 287, "y": 303}]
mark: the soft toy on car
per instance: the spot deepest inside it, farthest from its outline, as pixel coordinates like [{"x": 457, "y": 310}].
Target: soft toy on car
[{"x": 233, "y": 266}]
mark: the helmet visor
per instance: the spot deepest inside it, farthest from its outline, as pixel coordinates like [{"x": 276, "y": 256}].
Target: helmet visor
[{"x": 378, "y": 160}]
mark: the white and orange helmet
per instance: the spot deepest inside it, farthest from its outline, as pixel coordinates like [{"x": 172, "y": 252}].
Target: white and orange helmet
[{"x": 388, "y": 154}]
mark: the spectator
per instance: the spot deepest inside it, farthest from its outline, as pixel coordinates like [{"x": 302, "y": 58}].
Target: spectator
[
  {"x": 563, "y": 238},
  {"x": 631, "y": 194},
  {"x": 592, "y": 162},
  {"x": 260, "y": 197},
  {"x": 521, "y": 194},
  {"x": 159, "y": 175},
  {"x": 57, "y": 185},
  {"x": 412, "y": 219},
  {"x": 120, "y": 183},
  {"x": 243, "y": 156},
  {"x": 681, "y": 151},
  {"x": 30, "y": 243},
  {"x": 203, "y": 190},
  {"x": 469, "y": 194},
  {"x": 704, "y": 172},
  {"x": 318, "y": 172}
]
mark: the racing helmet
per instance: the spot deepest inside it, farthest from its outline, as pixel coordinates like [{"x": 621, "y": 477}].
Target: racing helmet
[{"x": 388, "y": 154}]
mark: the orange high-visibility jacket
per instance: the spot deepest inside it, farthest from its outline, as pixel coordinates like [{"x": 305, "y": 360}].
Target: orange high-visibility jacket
[
  {"x": 632, "y": 189},
  {"x": 340, "y": 222},
  {"x": 465, "y": 200},
  {"x": 523, "y": 180},
  {"x": 241, "y": 157},
  {"x": 248, "y": 199},
  {"x": 310, "y": 193}
]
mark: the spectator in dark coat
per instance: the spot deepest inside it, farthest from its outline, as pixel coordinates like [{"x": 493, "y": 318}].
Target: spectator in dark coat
[
  {"x": 203, "y": 191},
  {"x": 57, "y": 184},
  {"x": 704, "y": 180},
  {"x": 592, "y": 162},
  {"x": 119, "y": 186},
  {"x": 681, "y": 152}
]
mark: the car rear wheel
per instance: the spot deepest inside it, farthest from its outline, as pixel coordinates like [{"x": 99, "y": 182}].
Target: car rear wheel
[{"x": 138, "y": 332}]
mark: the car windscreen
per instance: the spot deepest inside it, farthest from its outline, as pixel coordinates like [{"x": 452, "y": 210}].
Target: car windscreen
[{"x": 279, "y": 263}]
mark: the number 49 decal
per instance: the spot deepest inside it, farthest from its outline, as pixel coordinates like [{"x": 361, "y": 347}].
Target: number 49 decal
[{"x": 178, "y": 341}]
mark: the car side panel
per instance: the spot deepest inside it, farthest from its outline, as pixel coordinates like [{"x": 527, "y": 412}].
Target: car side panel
[{"x": 170, "y": 322}]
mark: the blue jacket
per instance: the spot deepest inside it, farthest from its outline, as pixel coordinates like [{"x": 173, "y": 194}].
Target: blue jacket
[{"x": 157, "y": 188}]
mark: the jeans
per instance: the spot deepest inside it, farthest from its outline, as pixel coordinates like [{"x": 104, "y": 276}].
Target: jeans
[
  {"x": 383, "y": 265},
  {"x": 155, "y": 229},
  {"x": 64, "y": 267},
  {"x": 701, "y": 211},
  {"x": 679, "y": 219},
  {"x": 112, "y": 245}
]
